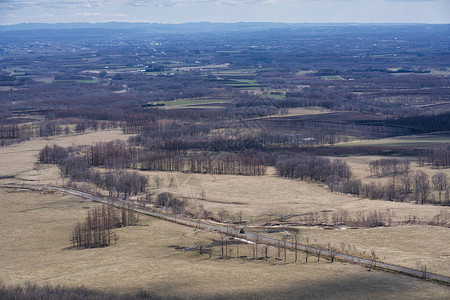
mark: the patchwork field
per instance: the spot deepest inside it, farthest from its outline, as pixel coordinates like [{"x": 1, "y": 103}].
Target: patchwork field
[{"x": 35, "y": 248}]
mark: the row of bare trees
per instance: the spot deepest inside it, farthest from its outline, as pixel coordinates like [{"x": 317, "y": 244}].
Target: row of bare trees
[
  {"x": 122, "y": 182},
  {"x": 415, "y": 187},
  {"x": 98, "y": 228},
  {"x": 15, "y": 133},
  {"x": 366, "y": 219},
  {"x": 313, "y": 168},
  {"x": 78, "y": 168},
  {"x": 388, "y": 166},
  {"x": 439, "y": 158},
  {"x": 124, "y": 155},
  {"x": 260, "y": 248},
  {"x": 409, "y": 187}
]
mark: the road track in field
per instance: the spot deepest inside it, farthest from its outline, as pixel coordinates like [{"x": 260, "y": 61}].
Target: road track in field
[{"x": 247, "y": 236}]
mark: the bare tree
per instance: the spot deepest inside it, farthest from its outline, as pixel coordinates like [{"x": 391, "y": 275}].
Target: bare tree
[
  {"x": 202, "y": 194},
  {"x": 374, "y": 257},
  {"x": 158, "y": 181},
  {"x": 285, "y": 238},
  {"x": 255, "y": 256},
  {"x": 295, "y": 234},
  {"x": 171, "y": 180},
  {"x": 278, "y": 250},
  {"x": 222, "y": 236},
  {"x": 421, "y": 186},
  {"x": 331, "y": 252},
  {"x": 223, "y": 214},
  {"x": 307, "y": 252},
  {"x": 440, "y": 183}
]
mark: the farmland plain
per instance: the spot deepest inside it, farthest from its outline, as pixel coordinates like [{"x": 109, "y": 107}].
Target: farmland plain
[{"x": 35, "y": 248}]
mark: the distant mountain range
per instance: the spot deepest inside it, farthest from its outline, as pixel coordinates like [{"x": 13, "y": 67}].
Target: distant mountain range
[{"x": 186, "y": 27}]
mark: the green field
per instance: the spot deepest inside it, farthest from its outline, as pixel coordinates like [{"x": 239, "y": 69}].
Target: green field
[
  {"x": 301, "y": 73},
  {"x": 275, "y": 96},
  {"x": 93, "y": 80},
  {"x": 332, "y": 77},
  {"x": 242, "y": 83},
  {"x": 192, "y": 101},
  {"x": 6, "y": 88}
]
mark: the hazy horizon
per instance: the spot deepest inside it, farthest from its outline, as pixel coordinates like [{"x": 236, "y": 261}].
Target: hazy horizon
[{"x": 225, "y": 11}]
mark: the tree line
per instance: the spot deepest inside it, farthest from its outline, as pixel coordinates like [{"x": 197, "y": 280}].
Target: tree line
[
  {"x": 408, "y": 187},
  {"x": 97, "y": 230},
  {"x": 388, "y": 166},
  {"x": 125, "y": 155},
  {"x": 77, "y": 168},
  {"x": 439, "y": 157}
]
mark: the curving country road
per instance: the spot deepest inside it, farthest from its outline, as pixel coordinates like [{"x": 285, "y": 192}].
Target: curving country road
[{"x": 248, "y": 236}]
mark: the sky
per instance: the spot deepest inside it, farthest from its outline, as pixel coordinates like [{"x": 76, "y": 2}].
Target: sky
[{"x": 182, "y": 11}]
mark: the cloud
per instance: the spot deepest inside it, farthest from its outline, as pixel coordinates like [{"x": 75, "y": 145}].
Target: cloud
[
  {"x": 88, "y": 14},
  {"x": 187, "y": 2},
  {"x": 97, "y": 14},
  {"x": 56, "y": 4},
  {"x": 91, "y": 4}
]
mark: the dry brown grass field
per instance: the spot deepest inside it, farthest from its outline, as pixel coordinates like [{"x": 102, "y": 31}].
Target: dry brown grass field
[
  {"x": 303, "y": 111},
  {"x": 403, "y": 141},
  {"x": 36, "y": 227},
  {"x": 262, "y": 198},
  {"x": 19, "y": 159},
  {"x": 360, "y": 167},
  {"x": 35, "y": 247},
  {"x": 409, "y": 246}
]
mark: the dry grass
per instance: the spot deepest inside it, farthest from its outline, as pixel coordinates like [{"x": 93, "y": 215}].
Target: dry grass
[
  {"x": 403, "y": 141},
  {"x": 402, "y": 245},
  {"x": 34, "y": 239},
  {"x": 300, "y": 111},
  {"x": 268, "y": 197},
  {"x": 35, "y": 229},
  {"x": 360, "y": 167},
  {"x": 19, "y": 159}
]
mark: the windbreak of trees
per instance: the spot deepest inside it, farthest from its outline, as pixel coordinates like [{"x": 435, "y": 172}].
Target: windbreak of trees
[
  {"x": 372, "y": 218},
  {"x": 244, "y": 163},
  {"x": 168, "y": 200},
  {"x": 314, "y": 168},
  {"x": 405, "y": 187},
  {"x": 124, "y": 155},
  {"x": 121, "y": 182},
  {"x": 53, "y": 155},
  {"x": 388, "y": 166},
  {"x": 77, "y": 168},
  {"x": 16, "y": 133},
  {"x": 427, "y": 123},
  {"x": 439, "y": 158},
  {"x": 97, "y": 230}
]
